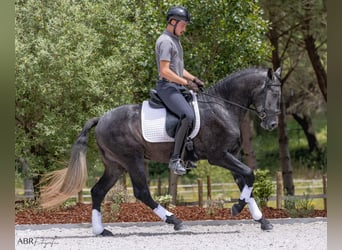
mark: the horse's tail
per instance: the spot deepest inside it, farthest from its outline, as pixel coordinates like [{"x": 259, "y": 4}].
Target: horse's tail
[{"x": 61, "y": 184}]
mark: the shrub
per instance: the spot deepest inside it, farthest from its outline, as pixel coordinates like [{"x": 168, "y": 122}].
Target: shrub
[
  {"x": 164, "y": 200},
  {"x": 263, "y": 187},
  {"x": 300, "y": 208}
]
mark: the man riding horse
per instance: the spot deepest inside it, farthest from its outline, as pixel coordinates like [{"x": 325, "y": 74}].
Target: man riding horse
[
  {"x": 173, "y": 78},
  {"x": 123, "y": 148}
]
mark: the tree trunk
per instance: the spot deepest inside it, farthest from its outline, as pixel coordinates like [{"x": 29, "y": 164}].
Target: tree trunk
[
  {"x": 28, "y": 182},
  {"x": 306, "y": 123},
  {"x": 284, "y": 153},
  {"x": 321, "y": 75},
  {"x": 246, "y": 134},
  {"x": 311, "y": 48}
]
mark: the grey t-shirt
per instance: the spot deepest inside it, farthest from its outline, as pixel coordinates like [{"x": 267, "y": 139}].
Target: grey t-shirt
[{"x": 169, "y": 48}]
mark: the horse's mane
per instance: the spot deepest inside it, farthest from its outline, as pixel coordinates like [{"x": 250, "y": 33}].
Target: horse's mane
[{"x": 225, "y": 83}]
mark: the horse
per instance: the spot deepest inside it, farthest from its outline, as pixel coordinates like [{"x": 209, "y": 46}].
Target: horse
[{"x": 122, "y": 147}]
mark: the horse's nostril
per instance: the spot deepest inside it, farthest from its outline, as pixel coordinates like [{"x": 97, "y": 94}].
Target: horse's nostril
[{"x": 274, "y": 125}]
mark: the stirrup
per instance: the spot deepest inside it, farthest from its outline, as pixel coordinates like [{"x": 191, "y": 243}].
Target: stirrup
[{"x": 177, "y": 166}]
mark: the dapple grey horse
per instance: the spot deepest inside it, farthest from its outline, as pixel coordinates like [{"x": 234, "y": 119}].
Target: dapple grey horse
[{"x": 122, "y": 146}]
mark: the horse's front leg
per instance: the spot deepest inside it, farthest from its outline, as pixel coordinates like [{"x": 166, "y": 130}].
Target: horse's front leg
[{"x": 246, "y": 181}]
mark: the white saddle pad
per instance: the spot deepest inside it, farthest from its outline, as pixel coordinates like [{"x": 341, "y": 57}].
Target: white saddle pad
[{"x": 153, "y": 122}]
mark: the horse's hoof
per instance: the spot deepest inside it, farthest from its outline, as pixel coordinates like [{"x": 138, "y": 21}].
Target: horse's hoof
[
  {"x": 237, "y": 208},
  {"x": 265, "y": 224},
  {"x": 178, "y": 224},
  {"x": 106, "y": 233},
  {"x": 179, "y": 227}
]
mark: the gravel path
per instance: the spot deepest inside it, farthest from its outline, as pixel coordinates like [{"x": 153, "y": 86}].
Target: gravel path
[{"x": 309, "y": 233}]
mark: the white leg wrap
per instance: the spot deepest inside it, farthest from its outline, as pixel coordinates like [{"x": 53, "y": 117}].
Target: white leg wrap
[
  {"x": 96, "y": 220},
  {"x": 254, "y": 209},
  {"x": 246, "y": 193},
  {"x": 162, "y": 212}
]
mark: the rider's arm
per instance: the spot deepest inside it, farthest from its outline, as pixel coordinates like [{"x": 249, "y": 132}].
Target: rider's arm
[
  {"x": 168, "y": 74},
  {"x": 187, "y": 75}
]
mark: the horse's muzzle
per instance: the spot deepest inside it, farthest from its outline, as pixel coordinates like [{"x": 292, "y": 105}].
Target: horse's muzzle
[{"x": 269, "y": 124}]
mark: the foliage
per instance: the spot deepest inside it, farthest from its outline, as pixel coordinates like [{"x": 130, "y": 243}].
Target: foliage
[
  {"x": 204, "y": 169},
  {"x": 164, "y": 200},
  {"x": 213, "y": 206},
  {"x": 25, "y": 204},
  {"x": 69, "y": 68},
  {"x": 289, "y": 19},
  {"x": 117, "y": 195},
  {"x": 78, "y": 59},
  {"x": 316, "y": 159},
  {"x": 263, "y": 187},
  {"x": 229, "y": 33},
  {"x": 267, "y": 151},
  {"x": 300, "y": 208}
]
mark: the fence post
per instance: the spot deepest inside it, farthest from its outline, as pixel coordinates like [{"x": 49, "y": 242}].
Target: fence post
[
  {"x": 325, "y": 191},
  {"x": 208, "y": 188},
  {"x": 200, "y": 192},
  {"x": 80, "y": 197},
  {"x": 124, "y": 181},
  {"x": 159, "y": 186},
  {"x": 279, "y": 189},
  {"x": 173, "y": 187}
]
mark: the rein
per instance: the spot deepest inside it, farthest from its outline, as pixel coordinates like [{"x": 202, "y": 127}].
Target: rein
[{"x": 262, "y": 114}]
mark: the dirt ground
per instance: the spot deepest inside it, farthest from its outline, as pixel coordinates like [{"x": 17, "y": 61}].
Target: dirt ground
[{"x": 135, "y": 212}]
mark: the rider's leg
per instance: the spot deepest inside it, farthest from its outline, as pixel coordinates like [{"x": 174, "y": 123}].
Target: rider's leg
[
  {"x": 172, "y": 97},
  {"x": 175, "y": 162}
]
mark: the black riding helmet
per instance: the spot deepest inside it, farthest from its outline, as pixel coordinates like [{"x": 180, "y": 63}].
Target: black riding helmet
[{"x": 177, "y": 13}]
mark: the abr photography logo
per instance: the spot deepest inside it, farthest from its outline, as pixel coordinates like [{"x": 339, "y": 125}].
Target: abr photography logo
[{"x": 35, "y": 241}]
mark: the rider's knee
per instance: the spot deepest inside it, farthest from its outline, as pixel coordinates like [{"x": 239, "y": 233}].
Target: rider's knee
[{"x": 188, "y": 119}]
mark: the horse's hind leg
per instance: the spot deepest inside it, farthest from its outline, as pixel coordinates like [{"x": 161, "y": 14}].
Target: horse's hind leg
[
  {"x": 142, "y": 192},
  {"x": 98, "y": 192}
]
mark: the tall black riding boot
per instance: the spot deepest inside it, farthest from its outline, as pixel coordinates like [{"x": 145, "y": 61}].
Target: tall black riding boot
[{"x": 176, "y": 163}]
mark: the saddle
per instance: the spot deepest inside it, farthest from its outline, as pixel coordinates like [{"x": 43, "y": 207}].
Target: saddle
[{"x": 171, "y": 119}]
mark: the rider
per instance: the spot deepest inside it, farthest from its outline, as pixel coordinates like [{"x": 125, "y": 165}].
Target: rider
[{"x": 173, "y": 79}]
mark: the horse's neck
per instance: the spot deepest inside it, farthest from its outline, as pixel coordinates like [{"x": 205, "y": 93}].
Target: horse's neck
[
  {"x": 225, "y": 102},
  {"x": 232, "y": 93}
]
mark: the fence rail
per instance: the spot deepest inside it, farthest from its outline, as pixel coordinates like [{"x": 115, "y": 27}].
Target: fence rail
[{"x": 201, "y": 189}]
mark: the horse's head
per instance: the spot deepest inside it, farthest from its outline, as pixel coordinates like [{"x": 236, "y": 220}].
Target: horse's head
[{"x": 267, "y": 100}]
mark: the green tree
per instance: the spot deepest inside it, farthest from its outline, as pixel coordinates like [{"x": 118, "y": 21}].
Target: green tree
[
  {"x": 78, "y": 59},
  {"x": 298, "y": 29},
  {"x": 73, "y": 61}
]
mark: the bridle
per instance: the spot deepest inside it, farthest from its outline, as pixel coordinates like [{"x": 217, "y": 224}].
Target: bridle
[{"x": 262, "y": 114}]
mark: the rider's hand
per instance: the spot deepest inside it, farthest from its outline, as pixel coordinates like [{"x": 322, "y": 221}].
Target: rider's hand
[
  {"x": 198, "y": 82},
  {"x": 193, "y": 86}
]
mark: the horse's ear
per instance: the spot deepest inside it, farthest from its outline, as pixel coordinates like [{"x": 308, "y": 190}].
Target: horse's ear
[
  {"x": 278, "y": 71},
  {"x": 269, "y": 73}
]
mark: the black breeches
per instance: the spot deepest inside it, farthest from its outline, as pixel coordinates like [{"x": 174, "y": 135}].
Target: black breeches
[{"x": 171, "y": 95}]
